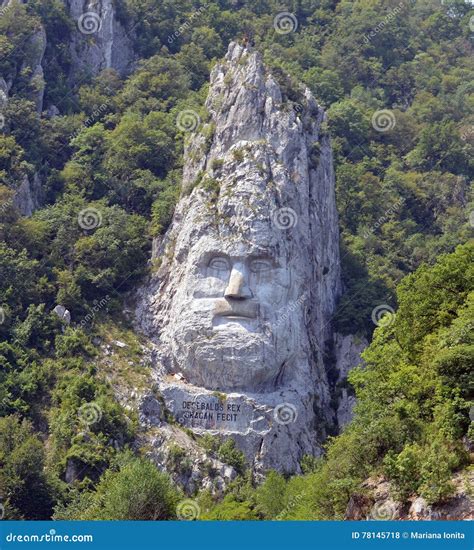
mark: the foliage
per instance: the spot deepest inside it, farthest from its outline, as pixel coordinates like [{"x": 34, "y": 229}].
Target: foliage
[
  {"x": 22, "y": 480},
  {"x": 231, "y": 509},
  {"x": 228, "y": 453},
  {"x": 133, "y": 490}
]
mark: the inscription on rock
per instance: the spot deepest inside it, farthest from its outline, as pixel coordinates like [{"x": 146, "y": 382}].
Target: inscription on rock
[{"x": 209, "y": 414}]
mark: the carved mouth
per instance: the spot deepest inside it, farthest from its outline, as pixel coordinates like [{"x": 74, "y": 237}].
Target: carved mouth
[{"x": 238, "y": 310}]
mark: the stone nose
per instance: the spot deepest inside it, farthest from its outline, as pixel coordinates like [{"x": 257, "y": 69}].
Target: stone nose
[{"x": 237, "y": 287}]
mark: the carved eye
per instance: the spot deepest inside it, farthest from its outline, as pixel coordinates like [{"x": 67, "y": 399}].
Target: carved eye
[
  {"x": 219, "y": 264},
  {"x": 260, "y": 266}
]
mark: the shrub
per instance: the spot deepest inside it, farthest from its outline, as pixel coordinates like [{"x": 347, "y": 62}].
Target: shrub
[
  {"x": 22, "y": 478},
  {"x": 136, "y": 491},
  {"x": 238, "y": 154},
  {"x": 229, "y": 454},
  {"x": 231, "y": 509},
  {"x": 271, "y": 494},
  {"x": 217, "y": 164},
  {"x": 404, "y": 470}
]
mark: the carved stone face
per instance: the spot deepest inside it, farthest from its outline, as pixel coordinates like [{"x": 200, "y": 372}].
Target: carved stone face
[{"x": 236, "y": 323}]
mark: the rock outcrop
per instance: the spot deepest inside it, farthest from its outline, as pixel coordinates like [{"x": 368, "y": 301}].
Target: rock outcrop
[
  {"x": 32, "y": 65},
  {"x": 240, "y": 308},
  {"x": 31, "y": 69},
  {"x": 28, "y": 195},
  {"x": 347, "y": 350},
  {"x": 376, "y": 502},
  {"x": 99, "y": 40}
]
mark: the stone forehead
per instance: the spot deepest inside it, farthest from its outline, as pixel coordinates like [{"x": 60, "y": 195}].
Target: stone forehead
[
  {"x": 238, "y": 232},
  {"x": 235, "y": 248}
]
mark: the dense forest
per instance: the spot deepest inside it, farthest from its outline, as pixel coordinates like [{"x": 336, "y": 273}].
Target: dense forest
[{"x": 395, "y": 79}]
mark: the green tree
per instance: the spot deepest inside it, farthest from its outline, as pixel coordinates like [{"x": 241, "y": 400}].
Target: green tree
[
  {"x": 231, "y": 509},
  {"x": 136, "y": 491},
  {"x": 22, "y": 480},
  {"x": 270, "y": 496}
]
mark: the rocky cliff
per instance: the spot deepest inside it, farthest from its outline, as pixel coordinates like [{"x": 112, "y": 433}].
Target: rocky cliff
[
  {"x": 28, "y": 193},
  {"x": 99, "y": 40},
  {"x": 249, "y": 275}
]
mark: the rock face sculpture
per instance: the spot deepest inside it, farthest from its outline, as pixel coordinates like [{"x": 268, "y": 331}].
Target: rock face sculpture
[{"x": 240, "y": 307}]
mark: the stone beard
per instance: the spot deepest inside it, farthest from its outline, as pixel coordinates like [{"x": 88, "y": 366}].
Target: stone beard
[{"x": 236, "y": 328}]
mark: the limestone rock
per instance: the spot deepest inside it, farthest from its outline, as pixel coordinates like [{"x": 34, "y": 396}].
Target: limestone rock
[
  {"x": 35, "y": 49},
  {"x": 347, "y": 350},
  {"x": 173, "y": 451},
  {"x": 99, "y": 40},
  {"x": 73, "y": 470},
  {"x": 150, "y": 410},
  {"x": 63, "y": 314},
  {"x": 52, "y": 111},
  {"x": 250, "y": 274},
  {"x": 376, "y": 502},
  {"x": 3, "y": 94},
  {"x": 419, "y": 509},
  {"x": 119, "y": 344},
  {"x": 28, "y": 196}
]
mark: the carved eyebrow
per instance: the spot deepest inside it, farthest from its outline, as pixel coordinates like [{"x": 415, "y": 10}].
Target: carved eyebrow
[
  {"x": 209, "y": 255},
  {"x": 253, "y": 254},
  {"x": 262, "y": 254}
]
